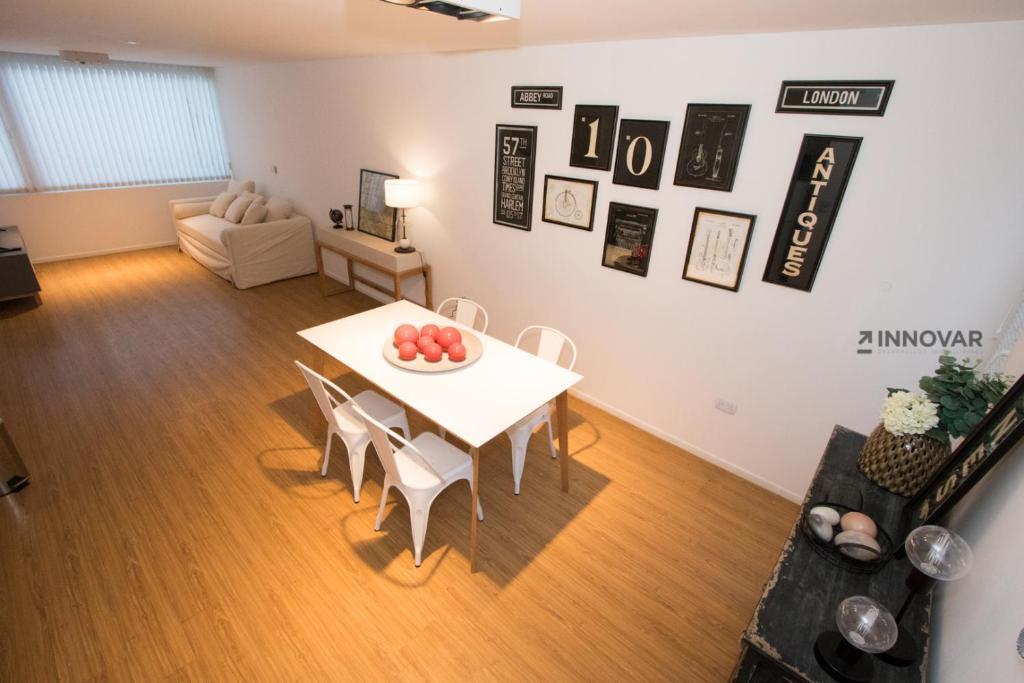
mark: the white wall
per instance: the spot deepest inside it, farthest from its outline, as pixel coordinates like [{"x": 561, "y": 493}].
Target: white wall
[
  {"x": 59, "y": 225},
  {"x": 929, "y": 235}
]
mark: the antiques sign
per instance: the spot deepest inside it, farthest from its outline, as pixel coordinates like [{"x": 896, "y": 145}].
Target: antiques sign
[
  {"x": 815, "y": 192},
  {"x": 537, "y": 97},
  {"x": 515, "y": 155},
  {"x": 999, "y": 431},
  {"x": 857, "y": 98}
]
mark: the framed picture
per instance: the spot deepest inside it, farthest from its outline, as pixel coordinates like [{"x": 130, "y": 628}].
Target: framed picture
[
  {"x": 375, "y": 218},
  {"x": 593, "y": 134},
  {"x": 709, "y": 150},
  {"x": 569, "y": 201},
  {"x": 628, "y": 239},
  {"x": 640, "y": 153},
  {"x": 515, "y": 155},
  {"x": 537, "y": 97},
  {"x": 853, "y": 98},
  {"x": 998, "y": 433},
  {"x": 718, "y": 247},
  {"x": 816, "y": 189}
]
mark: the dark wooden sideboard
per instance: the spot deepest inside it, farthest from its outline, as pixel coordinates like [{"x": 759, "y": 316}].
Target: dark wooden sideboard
[
  {"x": 17, "y": 277},
  {"x": 801, "y": 596}
]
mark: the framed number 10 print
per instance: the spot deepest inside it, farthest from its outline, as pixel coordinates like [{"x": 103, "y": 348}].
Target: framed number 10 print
[
  {"x": 640, "y": 153},
  {"x": 593, "y": 135}
]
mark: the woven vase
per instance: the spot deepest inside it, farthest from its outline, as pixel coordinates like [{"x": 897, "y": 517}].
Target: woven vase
[{"x": 901, "y": 464}]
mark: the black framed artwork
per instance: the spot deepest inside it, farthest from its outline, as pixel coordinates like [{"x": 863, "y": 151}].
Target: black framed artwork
[
  {"x": 593, "y": 136},
  {"x": 569, "y": 201},
  {"x": 709, "y": 151},
  {"x": 852, "y": 98},
  {"x": 718, "y": 247},
  {"x": 816, "y": 190},
  {"x": 375, "y": 217},
  {"x": 999, "y": 431},
  {"x": 537, "y": 97},
  {"x": 640, "y": 153},
  {"x": 515, "y": 156},
  {"x": 629, "y": 238}
]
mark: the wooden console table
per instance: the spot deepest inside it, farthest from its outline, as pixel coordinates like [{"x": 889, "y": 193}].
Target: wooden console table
[
  {"x": 374, "y": 253},
  {"x": 17, "y": 277},
  {"x": 800, "y": 599}
]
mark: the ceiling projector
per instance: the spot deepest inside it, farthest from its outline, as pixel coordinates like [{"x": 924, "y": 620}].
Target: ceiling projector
[{"x": 466, "y": 10}]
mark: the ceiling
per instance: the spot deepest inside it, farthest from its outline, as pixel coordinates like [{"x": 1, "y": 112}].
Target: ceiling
[{"x": 217, "y": 32}]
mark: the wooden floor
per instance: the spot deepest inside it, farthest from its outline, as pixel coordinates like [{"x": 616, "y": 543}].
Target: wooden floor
[{"x": 177, "y": 528}]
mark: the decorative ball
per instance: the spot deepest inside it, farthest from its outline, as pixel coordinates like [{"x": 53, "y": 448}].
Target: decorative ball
[
  {"x": 448, "y": 336},
  {"x": 826, "y": 513},
  {"x": 429, "y": 330},
  {"x": 456, "y": 352},
  {"x": 424, "y": 341},
  {"x": 858, "y": 521},
  {"x": 858, "y": 545},
  {"x": 433, "y": 353},
  {"x": 406, "y": 333},
  {"x": 407, "y": 350}
]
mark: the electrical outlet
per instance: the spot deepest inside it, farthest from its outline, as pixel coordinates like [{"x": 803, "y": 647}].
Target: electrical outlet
[{"x": 726, "y": 406}]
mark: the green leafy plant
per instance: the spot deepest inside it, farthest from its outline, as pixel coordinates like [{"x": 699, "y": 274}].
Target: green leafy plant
[{"x": 962, "y": 394}]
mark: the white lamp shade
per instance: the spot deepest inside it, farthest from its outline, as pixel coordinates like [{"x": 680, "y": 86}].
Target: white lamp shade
[{"x": 401, "y": 194}]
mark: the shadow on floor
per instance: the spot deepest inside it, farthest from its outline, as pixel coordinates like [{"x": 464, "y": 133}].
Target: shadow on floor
[{"x": 515, "y": 530}]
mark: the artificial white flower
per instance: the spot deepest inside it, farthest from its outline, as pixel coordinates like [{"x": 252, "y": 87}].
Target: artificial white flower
[{"x": 908, "y": 413}]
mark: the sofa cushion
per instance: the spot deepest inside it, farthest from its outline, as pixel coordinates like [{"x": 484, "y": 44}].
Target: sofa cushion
[
  {"x": 238, "y": 207},
  {"x": 240, "y": 186},
  {"x": 207, "y": 230},
  {"x": 256, "y": 213},
  {"x": 278, "y": 209},
  {"x": 221, "y": 203}
]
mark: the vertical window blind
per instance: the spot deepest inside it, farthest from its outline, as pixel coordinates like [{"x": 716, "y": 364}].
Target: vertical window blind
[{"x": 75, "y": 126}]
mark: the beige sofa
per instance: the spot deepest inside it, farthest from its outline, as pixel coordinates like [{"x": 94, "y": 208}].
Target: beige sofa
[{"x": 246, "y": 255}]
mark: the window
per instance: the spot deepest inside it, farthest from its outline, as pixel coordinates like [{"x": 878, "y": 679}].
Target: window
[{"x": 73, "y": 126}]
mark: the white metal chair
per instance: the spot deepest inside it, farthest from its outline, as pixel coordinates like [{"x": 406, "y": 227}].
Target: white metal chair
[
  {"x": 551, "y": 345},
  {"x": 420, "y": 469},
  {"x": 465, "y": 312},
  {"x": 343, "y": 421}
]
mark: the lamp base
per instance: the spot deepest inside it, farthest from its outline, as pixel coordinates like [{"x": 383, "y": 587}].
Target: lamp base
[
  {"x": 903, "y": 653},
  {"x": 405, "y": 250},
  {"x": 842, "y": 661}
]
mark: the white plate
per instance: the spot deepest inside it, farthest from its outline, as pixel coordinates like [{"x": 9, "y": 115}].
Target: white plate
[{"x": 474, "y": 349}]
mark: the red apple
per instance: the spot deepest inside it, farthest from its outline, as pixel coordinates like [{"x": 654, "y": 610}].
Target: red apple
[
  {"x": 424, "y": 341},
  {"x": 448, "y": 336},
  {"x": 407, "y": 350},
  {"x": 429, "y": 330},
  {"x": 432, "y": 353},
  {"x": 406, "y": 333},
  {"x": 456, "y": 352}
]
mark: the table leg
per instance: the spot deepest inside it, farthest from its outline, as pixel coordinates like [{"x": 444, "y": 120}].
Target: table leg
[
  {"x": 475, "y": 453},
  {"x": 398, "y": 287},
  {"x": 562, "y": 409},
  {"x": 322, "y": 277},
  {"x": 428, "y": 287}
]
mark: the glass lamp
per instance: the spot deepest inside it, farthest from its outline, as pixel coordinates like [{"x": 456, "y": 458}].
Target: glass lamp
[
  {"x": 937, "y": 554},
  {"x": 402, "y": 194},
  {"x": 865, "y": 627}
]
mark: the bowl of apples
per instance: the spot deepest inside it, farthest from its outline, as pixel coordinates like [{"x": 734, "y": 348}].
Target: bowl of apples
[{"x": 431, "y": 348}]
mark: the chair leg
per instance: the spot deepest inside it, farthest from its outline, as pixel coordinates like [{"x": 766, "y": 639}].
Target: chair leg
[
  {"x": 383, "y": 504},
  {"x": 479, "y": 507},
  {"x": 551, "y": 440},
  {"x": 356, "y": 464},
  {"x": 520, "y": 443},
  {"x": 419, "y": 513},
  {"x": 327, "y": 453}
]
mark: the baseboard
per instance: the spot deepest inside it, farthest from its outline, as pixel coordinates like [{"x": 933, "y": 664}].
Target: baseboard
[
  {"x": 689, "y": 447},
  {"x": 104, "y": 252}
]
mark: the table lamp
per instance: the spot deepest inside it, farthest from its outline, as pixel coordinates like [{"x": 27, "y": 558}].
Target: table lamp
[
  {"x": 864, "y": 627},
  {"x": 402, "y": 194},
  {"x": 937, "y": 554}
]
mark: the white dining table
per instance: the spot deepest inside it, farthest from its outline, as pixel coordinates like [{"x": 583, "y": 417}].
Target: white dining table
[{"x": 475, "y": 403}]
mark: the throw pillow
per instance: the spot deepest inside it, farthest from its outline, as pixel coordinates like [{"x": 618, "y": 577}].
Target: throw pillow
[
  {"x": 237, "y": 208},
  {"x": 240, "y": 186},
  {"x": 256, "y": 212},
  {"x": 278, "y": 209},
  {"x": 221, "y": 203}
]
